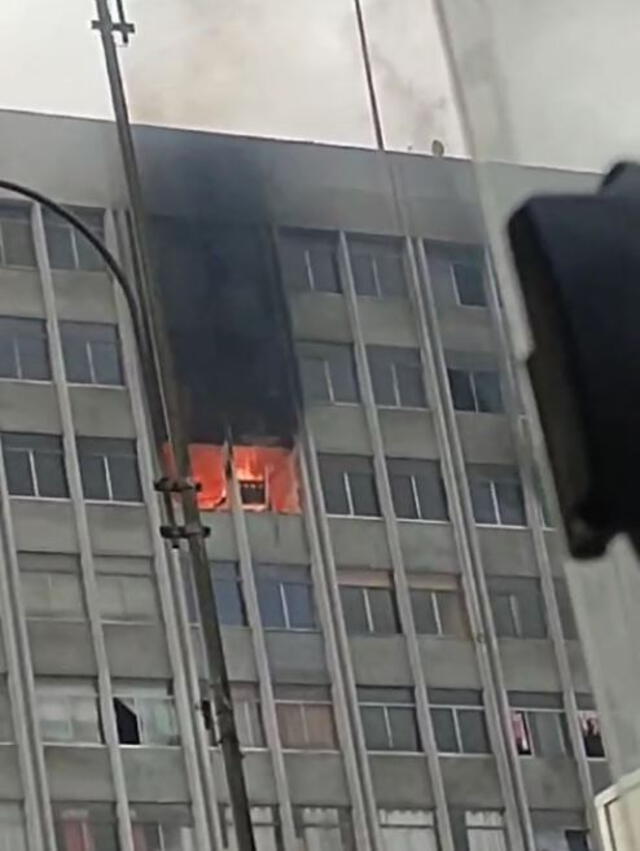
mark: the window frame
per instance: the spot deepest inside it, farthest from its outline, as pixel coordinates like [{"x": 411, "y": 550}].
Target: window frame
[
  {"x": 89, "y": 216},
  {"x": 88, "y": 345},
  {"x": 561, "y": 724},
  {"x": 50, "y": 576},
  {"x": 104, "y": 456},
  {"x": 386, "y": 707},
  {"x": 14, "y": 338},
  {"x": 376, "y": 362},
  {"x": 365, "y": 588},
  {"x": 33, "y": 475},
  {"x": 434, "y": 603},
  {"x": 16, "y": 207},
  {"x": 86, "y": 693},
  {"x": 357, "y": 245},
  {"x": 341, "y": 350},
  {"x": 585, "y": 715},
  {"x": 303, "y": 705},
  {"x": 138, "y": 697},
  {"x": 493, "y": 481},
  {"x": 122, "y": 579},
  {"x": 415, "y": 492},
  {"x": 471, "y": 374},
  {"x": 245, "y": 698},
  {"x": 455, "y": 707},
  {"x": 284, "y": 600},
  {"x": 456, "y": 262}
]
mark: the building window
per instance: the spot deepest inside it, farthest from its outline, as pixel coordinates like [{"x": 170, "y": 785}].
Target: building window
[
  {"x": 34, "y": 465},
  {"x": 109, "y": 469},
  {"x": 68, "y": 712},
  {"x": 577, "y": 840},
  {"x": 310, "y": 262},
  {"x": 408, "y": 830},
  {"x": 248, "y": 715},
  {"x": 285, "y": 596},
  {"x": 12, "y": 829},
  {"x": 496, "y": 495},
  {"x": 485, "y": 831},
  {"x": 328, "y": 372},
  {"x": 266, "y": 829},
  {"x": 324, "y": 828},
  {"x": 389, "y": 718},
  {"x": 67, "y": 247},
  {"x": 467, "y": 272},
  {"x": 127, "y": 598},
  {"x": 52, "y": 596},
  {"x": 85, "y": 827},
  {"x": 539, "y": 732},
  {"x": 437, "y": 605},
  {"x": 305, "y": 717},
  {"x": 377, "y": 266},
  {"x": 591, "y": 734},
  {"x": 227, "y": 585},
  {"x": 91, "y": 353},
  {"x": 518, "y": 607},
  {"x": 396, "y": 375},
  {"x": 145, "y": 715},
  {"x": 567, "y": 616},
  {"x": 459, "y": 721},
  {"x": 476, "y": 390},
  {"x": 150, "y": 834},
  {"x": 417, "y": 489},
  {"x": 16, "y": 238},
  {"x": 23, "y": 349},
  {"x": 368, "y": 603},
  {"x": 348, "y": 484}
]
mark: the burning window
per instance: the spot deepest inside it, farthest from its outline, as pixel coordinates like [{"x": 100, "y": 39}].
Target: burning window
[{"x": 266, "y": 476}]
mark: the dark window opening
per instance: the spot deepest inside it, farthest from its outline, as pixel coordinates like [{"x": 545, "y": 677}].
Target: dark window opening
[
  {"x": 252, "y": 493},
  {"x": 127, "y": 723}
]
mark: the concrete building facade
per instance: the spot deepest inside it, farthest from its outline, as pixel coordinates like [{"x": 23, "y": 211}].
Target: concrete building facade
[{"x": 405, "y": 666}]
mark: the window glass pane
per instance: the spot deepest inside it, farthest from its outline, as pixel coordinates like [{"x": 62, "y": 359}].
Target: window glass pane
[
  {"x": 59, "y": 245},
  {"x": 382, "y": 380},
  {"x": 18, "y": 243},
  {"x": 354, "y": 610},
  {"x": 52, "y": 480},
  {"x": 333, "y": 488},
  {"x": 343, "y": 377},
  {"x": 299, "y": 599},
  {"x": 249, "y": 723},
  {"x": 423, "y": 614},
  {"x": 531, "y": 611},
  {"x": 53, "y": 713},
  {"x": 8, "y": 362},
  {"x": 473, "y": 731},
  {"x": 84, "y": 719},
  {"x": 547, "y": 733},
  {"x": 461, "y": 392},
  {"x": 88, "y": 257},
  {"x": 125, "y": 482},
  {"x": 363, "y": 274},
  {"x": 229, "y": 603},
  {"x": 444, "y": 730},
  {"x": 488, "y": 392},
  {"x": 106, "y": 362},
  {"x": 314, "y": 379},
  {"x": 295, "y": 271},
  {"x": 403, "y": 496},
  {"x": 33, "y": 355},
  {"x": 451, "y": 613},
  {"x": 522, "y": 737},
  {"x": 18, "y": 470},
  {"x": 375, "y": 728},
  {"x": 469, "y": 284},
  {"x": 76, "y": 358},
  {"x": 404, "y": 731},
  {"x": 431, "y": 495},
  {"x": 503, "y": 615},
  {"x": 158, "y": 721},
  {"x": 94, "y": 476},
  {"x": 291, "y": 725},
  {"x": 591, "y": 734},
  {"x": 363, "y": 495},
  {"x": 320, "y": 726},
  {"x": 324, "y": 269},
  {"x": 482, "y": 500},
  {"x": 510, "y": 503},
  {"x": 383, "y": 610},
  {"x": 390, "y": 274},
  {"x": 410, "y": 386},
  {"x": 270, "y": 601},
  {"x": 65, "y": 596}
]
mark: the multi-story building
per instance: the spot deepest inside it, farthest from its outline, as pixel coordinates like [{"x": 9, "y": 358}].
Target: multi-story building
[{"x": 404, "y": 663}]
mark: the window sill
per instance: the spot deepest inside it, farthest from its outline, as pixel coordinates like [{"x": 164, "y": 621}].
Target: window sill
[
  {"x": 124, "y": 622},
  {"x": 421, "y": 409},
  {"x": 8, "y": 379},
  {"x": 465, "y": 755},
  {"x": 419, "y": 753},
  {"x": 34, "y": 498},
  {"x": 145, "y": 745},
  {"x": 289, "y": 630},
  {"x": 95, "y": 384},
  {"x": 94, "y": 745},
  {"x": 312, "y": 751},
  {"x": 500, "y": 526},
  {"x": 355, "y": 517},
  {"x": 425, "y": 521},
  {"x": 113, "y": 502}
]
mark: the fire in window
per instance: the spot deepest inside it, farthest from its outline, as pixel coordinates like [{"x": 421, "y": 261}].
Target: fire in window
[{"x": 266, "y": 475}]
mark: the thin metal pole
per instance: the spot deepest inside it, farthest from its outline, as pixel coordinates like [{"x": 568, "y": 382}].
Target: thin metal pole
[
  {"x": 169, "y": 392},
  {"x": 368, "y": 73}
]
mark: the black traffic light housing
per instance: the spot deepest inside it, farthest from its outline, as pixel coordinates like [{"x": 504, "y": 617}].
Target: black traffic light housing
[{"x": 578, "y": 259}]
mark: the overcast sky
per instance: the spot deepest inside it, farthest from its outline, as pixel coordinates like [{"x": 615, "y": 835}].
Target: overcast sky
[
  {"x": 551, "y": 82},
  {"x": 277, "y": 67}
]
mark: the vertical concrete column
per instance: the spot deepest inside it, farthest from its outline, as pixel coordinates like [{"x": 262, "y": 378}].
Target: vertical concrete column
[{"x": 90, "y": 592}]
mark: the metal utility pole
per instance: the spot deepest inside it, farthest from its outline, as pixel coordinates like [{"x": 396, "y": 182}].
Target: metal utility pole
[
  {"x": 368, "y": 73},
  {"x": 178, "y": 480}
]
